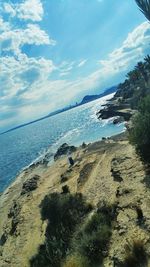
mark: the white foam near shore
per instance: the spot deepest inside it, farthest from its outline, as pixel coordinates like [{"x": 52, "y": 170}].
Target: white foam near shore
[
  {"x": 68, "y": 136},
  {"x": 42, "y": 139}
]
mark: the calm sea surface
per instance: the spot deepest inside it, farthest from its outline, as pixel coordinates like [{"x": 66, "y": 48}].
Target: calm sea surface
[{"x": 23, "y": 146}]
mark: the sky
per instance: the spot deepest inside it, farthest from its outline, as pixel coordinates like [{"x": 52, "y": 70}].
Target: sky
[{"x": 54, "y": 52}]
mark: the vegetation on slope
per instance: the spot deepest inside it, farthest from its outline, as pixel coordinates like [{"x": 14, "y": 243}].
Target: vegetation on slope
[
  {"x": 136, "y": 92},
  {"x": 65, "y": 245},
  {"x": 68, "y": 239},
  {"x": 63, "y": 213},
  {"x": 135, "y": 255},
  {"x": 140, "y": 131},
  {"x": 92, "y": 240},
  {"x": 137, "y": 84}
]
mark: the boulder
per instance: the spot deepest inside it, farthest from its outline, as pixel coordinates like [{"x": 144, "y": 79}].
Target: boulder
[
  {"x": 118, "y": 120},
  {"x": 64, "y": 149},
  {"x": 113, "y": 111},
  {"x": 116, "y": 175},
  {"x": 30, "y": 184}
]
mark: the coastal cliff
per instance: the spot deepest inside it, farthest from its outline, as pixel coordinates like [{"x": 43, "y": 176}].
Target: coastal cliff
[
  {"x": 116, "y": 177},
  {"x": 129, "y": 94}
]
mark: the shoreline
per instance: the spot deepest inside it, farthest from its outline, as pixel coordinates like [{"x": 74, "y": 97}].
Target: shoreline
[
  {"x": 40, "y": 167},
  {"x": 22, "y": 200},
  {"x": 42, "y": 154},
  {"x": 44, "y": 159},
  {"x": 47, "y": 155},
  {"x": 21, "y": 233}
]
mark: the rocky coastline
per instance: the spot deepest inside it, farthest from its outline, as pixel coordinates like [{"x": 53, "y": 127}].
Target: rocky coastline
[
  {"x": 116, "y": 109},
  {"x": 105, "y": 171}
]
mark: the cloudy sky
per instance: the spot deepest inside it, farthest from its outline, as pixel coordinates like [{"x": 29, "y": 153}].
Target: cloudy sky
[{"x": 53, "y": 52}]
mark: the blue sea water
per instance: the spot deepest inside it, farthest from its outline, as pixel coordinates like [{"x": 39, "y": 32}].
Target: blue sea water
[{"x": 21, "y": 147}]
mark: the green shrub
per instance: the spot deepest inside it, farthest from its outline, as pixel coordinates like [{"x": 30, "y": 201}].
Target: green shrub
[
  {"x": 146, "y": 180},
  {"x": 92, "y": 240},
  {"x": 135, "y": 255},
  {"x": 63, "y": 212},
  {"x": 76, "y": 261},
  {"x": 93, "y": 246},
  {"x": 140, "y": 133},
  {"x": 94, "y": 223}
]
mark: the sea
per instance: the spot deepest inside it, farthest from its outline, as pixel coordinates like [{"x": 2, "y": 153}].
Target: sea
[{"x": 24, "y": 146}]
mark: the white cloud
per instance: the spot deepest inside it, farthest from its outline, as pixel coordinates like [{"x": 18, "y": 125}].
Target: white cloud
[
  {"x": 82, "y": 63},
  {"x": 4, "y": 26},
  {"x": 21, "y": 75},
  {"x": 132, "y": 50},
  {"x": 64, "y": 73},
  {"x": 66, "y": 67},
  {"x": 27, "y": 10},
  {"x": 14, "y": 39},
  {"x": 8, "y": 8},
  {"x": 28, "y": 89}
]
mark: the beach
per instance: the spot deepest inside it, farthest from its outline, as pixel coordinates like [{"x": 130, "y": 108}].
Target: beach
[{"x": 93, "y": 175}]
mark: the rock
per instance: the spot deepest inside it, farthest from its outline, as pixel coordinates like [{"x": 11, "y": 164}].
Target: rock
[
  {"x": 122, "y": 192},
  {"x": 140, "y": 217},
  {"x": 64, "y": 150},
  {"x": 71, "y": 161},
  {"x": 14, "y": 210},
  {"x": 65, "y": 189},
  {"x": 113, "y": 111},
  {"x": 114, "y": 169},
  {"x": 63, "y": 178},
  {"x": 116, "y": 175},
  {"x": 3, "y": 239},
  {"x": 30, "y": 184},
  {"x": 118, "y": 120}
]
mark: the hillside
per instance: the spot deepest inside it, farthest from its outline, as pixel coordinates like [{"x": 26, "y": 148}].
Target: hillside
[
  {"x": 129, "y": 93},
  {"x": 116, "y": 177},
  {"x": 89, "y": 98}
]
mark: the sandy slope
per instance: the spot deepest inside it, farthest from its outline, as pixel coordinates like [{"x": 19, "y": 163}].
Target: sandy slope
[{"x": 92, "y": 176}]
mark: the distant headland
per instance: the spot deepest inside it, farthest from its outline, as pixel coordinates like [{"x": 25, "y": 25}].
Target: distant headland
[{"x": 85, "y": 100}]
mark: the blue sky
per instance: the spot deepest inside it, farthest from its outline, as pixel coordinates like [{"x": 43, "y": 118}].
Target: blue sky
[{"x": 53, "y": 52}]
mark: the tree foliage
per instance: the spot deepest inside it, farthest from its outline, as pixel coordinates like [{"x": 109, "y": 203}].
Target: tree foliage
[
  {"x": 144, "y": 6},
  {"x": 140, "y": 132},
  {"x": 63, "y": 213}
]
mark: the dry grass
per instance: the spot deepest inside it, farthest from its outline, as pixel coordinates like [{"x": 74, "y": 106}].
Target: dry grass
[{"x": 76, "y": 261}]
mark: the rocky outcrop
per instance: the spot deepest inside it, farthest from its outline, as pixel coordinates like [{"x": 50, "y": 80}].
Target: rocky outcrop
[
  {"x": 64, "y": 149},
  {"x": 113, "y": 111},
  {"x": 118, "y": 120},
  {"x": 114, "y": 170},
  {"x": 30, "y": 185}
]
